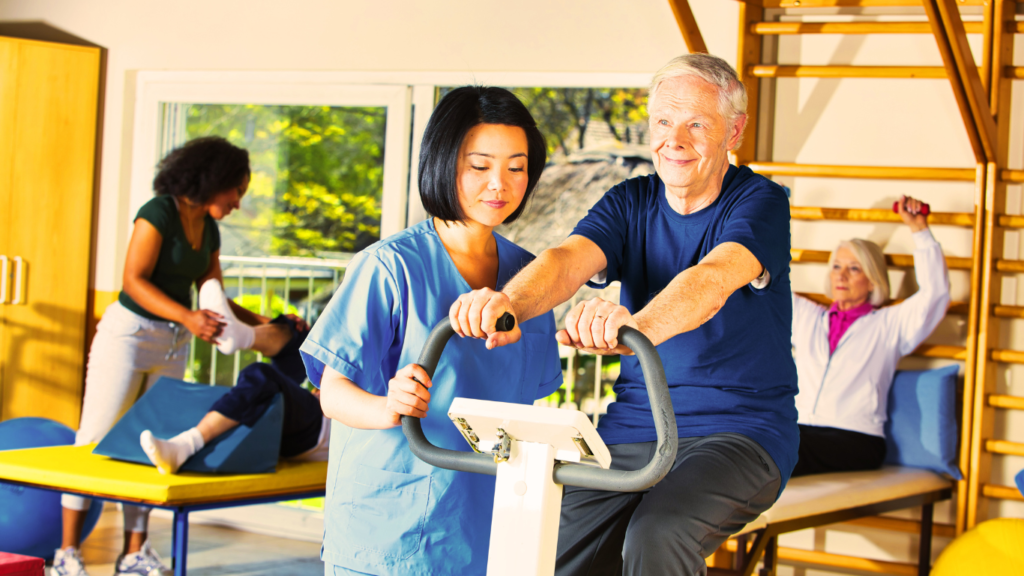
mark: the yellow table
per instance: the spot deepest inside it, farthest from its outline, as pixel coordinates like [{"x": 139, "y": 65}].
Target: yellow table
[{"x": 75, "y": 469}]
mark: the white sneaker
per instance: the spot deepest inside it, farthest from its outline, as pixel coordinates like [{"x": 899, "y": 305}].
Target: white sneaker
[
  {"x": 68, "y": 562},
  {"x": 145, "y": 562}
]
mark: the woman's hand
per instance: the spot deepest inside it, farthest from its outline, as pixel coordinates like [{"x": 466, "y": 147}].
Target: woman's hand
[
  {"x": 408, "y": 394},
  {"x": 205, "y": 324},
  {"x": 909, "y": 210},
  {"x": 476, "y": 313},
  {"x": 594, "y": 325}
]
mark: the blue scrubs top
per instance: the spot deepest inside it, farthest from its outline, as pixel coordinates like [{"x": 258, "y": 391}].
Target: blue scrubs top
[{"x": 388, "y": 512}]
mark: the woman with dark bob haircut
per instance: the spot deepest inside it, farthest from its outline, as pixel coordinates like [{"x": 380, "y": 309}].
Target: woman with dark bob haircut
[
  {"x": 387, "y": 511},
  {"x": 174, "y": 245}
]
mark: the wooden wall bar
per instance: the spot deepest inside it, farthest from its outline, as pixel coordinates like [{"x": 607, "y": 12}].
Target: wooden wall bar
[
  {"x": 869, "y": 172},
  {"x": 776, "y": 71},
  {"x": 964, "y": 219},
  {"x": 779, "y": 28}
]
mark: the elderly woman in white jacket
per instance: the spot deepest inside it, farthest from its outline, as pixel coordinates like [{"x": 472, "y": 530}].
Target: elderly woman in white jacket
[{"x": 846, "y": 354}]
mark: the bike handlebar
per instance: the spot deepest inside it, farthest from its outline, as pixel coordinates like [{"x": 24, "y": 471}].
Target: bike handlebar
[{"x": 565, "y": 473}]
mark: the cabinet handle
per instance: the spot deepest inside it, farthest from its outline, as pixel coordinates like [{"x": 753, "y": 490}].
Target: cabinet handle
[
  {"x": 19, "y": 268},
  {"x": 4, "y": 272}
]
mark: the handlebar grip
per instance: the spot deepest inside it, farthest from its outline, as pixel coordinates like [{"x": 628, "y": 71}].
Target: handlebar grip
[
  {"x": 570, "y": 474},
  {"x": 925, "y": 208}
]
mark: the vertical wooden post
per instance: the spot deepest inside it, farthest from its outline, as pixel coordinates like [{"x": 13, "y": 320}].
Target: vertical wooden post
[
  {"x": 999, "y": 38},
  {"x": 749, "y": 55}
]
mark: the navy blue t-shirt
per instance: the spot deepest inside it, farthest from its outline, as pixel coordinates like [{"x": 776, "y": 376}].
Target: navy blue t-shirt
[{"x": 735, "y": 373}]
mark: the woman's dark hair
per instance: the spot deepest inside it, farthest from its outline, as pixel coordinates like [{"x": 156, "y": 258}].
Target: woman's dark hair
[
  {"x": 201, "y": 168},
  {"x": 458, "y": 112}
]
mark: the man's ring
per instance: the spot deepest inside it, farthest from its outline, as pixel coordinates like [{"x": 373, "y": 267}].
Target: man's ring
[{"x": 598, "y": 316}]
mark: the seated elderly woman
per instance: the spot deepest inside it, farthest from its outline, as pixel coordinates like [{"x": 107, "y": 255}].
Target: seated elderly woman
[{"x": 846, "y": 354}]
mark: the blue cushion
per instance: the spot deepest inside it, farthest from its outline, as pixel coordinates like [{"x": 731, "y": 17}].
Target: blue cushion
[
  {"x": 172, "y": 406},
  {"x": 1020, "y": 482},
  {"x": 922, "y": 427}
]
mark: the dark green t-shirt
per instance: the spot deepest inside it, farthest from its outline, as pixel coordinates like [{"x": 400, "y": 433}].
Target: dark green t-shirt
[{"x": 178, "y": 266}]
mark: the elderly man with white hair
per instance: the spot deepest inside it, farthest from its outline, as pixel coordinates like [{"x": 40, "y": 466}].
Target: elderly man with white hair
[{"x": 701, "y": 249}]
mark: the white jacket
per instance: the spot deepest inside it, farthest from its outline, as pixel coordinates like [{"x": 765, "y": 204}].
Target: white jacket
[{"x": 850, "y": 390}]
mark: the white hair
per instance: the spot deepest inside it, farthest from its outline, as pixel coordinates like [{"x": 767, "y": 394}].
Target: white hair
[
  {"x": 872, "y": 261},
  {"x": 732, "y": 94}
]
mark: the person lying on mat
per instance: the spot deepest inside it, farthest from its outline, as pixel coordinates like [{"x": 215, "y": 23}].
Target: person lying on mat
[
  {"x": 145, "y": 334},
  {"x": 387, "y": 511},
  {"x": 305, "y": 433},
  {"x": 846, "y": 354}
]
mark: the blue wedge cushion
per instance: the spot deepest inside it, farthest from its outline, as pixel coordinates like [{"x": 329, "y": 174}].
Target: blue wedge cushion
[
  {"x": 922, "y": 427},
  {"x": 171, "y": 406}
]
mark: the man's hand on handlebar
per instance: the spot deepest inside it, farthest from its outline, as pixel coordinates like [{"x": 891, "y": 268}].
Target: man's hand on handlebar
[
  {"x": 475, "y": 314},
  {"x": 408, "y": 394},
  {"x": 593, "y": 326}
]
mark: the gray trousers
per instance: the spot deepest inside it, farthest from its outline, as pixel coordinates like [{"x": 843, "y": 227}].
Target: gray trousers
[{"x": 717, "y": 485}]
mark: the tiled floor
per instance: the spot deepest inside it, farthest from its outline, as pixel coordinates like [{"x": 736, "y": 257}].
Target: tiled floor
[{"x": 212, "y": 550}]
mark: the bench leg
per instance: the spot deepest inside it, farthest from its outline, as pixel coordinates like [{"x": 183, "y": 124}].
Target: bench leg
[
  {"x": 771, "y": 553},
  {"x": 739, "y": 560},
  {"x": 179, "y": 542},
  {"x": 924, "y": 549}
]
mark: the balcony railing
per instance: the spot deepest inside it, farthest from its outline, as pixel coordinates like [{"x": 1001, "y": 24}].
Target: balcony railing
[{"x": 267, "y": 286}]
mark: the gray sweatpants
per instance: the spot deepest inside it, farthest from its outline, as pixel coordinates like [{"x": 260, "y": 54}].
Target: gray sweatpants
[{"x": 717, "y": 485}]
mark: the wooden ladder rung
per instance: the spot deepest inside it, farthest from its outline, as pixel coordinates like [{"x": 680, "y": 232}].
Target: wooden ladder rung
[
  {"x": 839, "y": 561},
  {"x": 777, "y": 71},
  {"x": 941, "y": 351},
  {"x": 1006, "y": 356},
  {"x": 853, "y": 3},
  {"x": 1008, "y": 311},
  {"x": 780, "y": 28},
  {"x": 875, "y": 215},
  {"x": 1006, "y": 401},
  {"x": 954, "y": 307},
  {"x": 870, "y": 172},
  {"x": 897, "y": 260},
  {"x": 1001, "y": 492},
  {"x": 1004, "y": 447}
]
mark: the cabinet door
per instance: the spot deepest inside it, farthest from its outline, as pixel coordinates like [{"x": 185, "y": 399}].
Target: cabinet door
[
  {"x": 8, "y": 76},
  {"x": 50, "y": 230}
]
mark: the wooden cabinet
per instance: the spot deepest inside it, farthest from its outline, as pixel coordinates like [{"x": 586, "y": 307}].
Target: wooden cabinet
[{"x": 49, "y": 96}]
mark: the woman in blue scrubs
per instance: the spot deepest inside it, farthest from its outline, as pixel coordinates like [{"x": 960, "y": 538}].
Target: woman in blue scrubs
[{"x": 387, "y": 512}]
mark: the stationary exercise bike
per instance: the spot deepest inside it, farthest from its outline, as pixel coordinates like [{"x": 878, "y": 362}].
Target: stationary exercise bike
[{"x": 534, "y": 451}]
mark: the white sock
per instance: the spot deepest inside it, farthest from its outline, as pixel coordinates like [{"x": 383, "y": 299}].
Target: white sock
[
  {"x": 169, "y": 455},
  {"x": 235, "y": 335}
]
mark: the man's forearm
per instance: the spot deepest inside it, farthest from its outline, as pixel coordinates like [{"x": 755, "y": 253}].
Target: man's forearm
[
  {"x": 690, "y": 299},
  {"x": 547, "y": 282}
]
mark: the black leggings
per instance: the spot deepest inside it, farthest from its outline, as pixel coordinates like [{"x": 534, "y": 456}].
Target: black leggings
[
  {"x": 259, "y": 383},
  {"x": 824, "y": 449}
]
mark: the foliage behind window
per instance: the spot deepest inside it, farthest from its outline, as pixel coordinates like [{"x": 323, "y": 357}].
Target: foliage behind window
[{"x": 317, "y": 176}]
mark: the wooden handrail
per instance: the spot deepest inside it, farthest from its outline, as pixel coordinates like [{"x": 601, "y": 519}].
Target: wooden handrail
[
  {"x": 1001, "y": 492},
  {"x": 1004, "y": 447},
  {"x": 779, "y": 28},
  {"x": 875, "y": 215},
  {"x": 954, "y": 307},
  {"x": 1006, "y": 401},
  {"x": 897, "y": 260},
  {"x": 870, "y": 172},
  {"x": 777, "y": 71}
]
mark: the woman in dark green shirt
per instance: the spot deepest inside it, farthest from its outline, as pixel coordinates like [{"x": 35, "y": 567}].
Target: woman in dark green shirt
[{"x": 145, "y": 334}]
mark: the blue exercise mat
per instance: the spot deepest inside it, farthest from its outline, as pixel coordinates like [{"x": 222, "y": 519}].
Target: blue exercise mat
[{"x": 171, "y": 406}]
